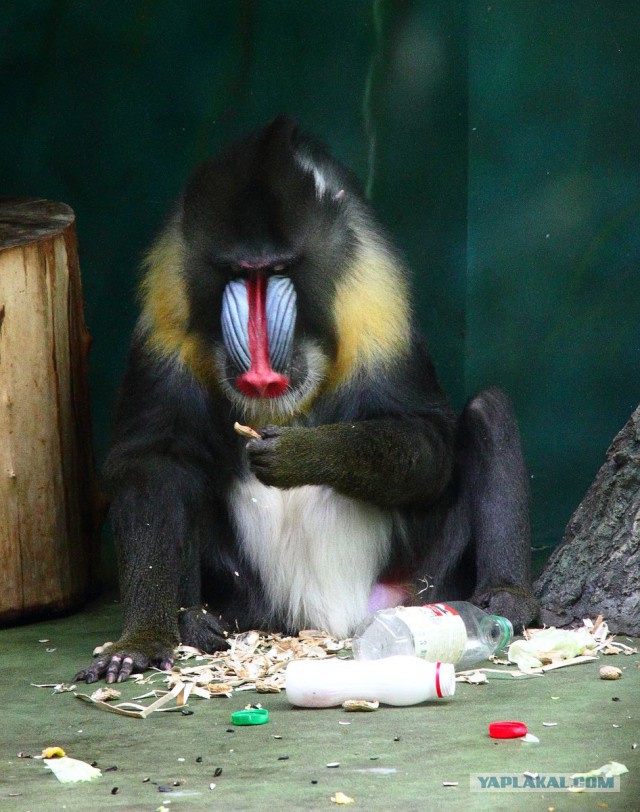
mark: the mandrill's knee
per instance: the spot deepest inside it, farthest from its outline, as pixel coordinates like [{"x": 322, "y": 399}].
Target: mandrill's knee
[{"x": 488, "y": 421}]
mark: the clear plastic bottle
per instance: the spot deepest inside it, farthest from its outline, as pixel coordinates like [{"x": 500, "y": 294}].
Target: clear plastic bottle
[
  {"x": 393, "y": 680},
  {"x": 456, "y": 632}
]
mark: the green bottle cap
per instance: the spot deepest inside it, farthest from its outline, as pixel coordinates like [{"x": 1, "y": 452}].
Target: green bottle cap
[{"x": 250, "y": 716}]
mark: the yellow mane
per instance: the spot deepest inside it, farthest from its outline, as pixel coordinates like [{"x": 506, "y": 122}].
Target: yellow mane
[
  {"x": 165, "y": 308},
  {"x": 371, "y": 312}
]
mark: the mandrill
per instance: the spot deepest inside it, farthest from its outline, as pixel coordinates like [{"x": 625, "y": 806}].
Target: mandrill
[{"x": 272, "y": 298}]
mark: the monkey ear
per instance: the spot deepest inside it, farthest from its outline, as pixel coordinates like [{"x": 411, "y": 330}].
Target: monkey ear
[
  {"x": 276, "y": 141},
  {"x": 282, "y": 160},
  {"x": 282, "y": 128}
]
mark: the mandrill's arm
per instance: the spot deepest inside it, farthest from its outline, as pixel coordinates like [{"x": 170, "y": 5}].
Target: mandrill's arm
[
  {"x": 154, "y": 477},
  {"x": 387, "y": 461}
]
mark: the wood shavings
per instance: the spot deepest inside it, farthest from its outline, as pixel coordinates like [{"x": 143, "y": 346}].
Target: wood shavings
[
  {"x": 268, "y": 686},
  {"x": 583, "y": 658},
  {"x": 498, "y": 673},
  {"x": 472, "y": 677},
  {"x": 220, "y": 689},
  {"x": 58, "y": 687},
  {"x": 516, "y": 673},
  {"x": 360, "y": 705},
  {"x": 606, "y": 643},
  {"x": 254, "y": 661},
  {"x": 135, "y": 710},
  {"x": 616, "y": 647},
  {"x": 105, "y": 695}
]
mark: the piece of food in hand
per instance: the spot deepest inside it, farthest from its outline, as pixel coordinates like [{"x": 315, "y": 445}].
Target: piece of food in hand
[{"x": 247, "y": 431}]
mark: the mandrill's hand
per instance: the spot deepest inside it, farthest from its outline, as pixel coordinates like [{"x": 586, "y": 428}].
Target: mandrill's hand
[
  {"x": 119, "y": 660},
  {"x": 284, "y": 457}
]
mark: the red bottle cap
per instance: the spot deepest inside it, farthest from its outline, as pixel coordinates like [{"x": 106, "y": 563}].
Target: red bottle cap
[{"x": 507, "y": 730}]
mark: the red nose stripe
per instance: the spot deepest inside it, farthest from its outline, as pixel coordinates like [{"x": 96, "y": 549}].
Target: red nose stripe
[{"x": 260, "y": 381}]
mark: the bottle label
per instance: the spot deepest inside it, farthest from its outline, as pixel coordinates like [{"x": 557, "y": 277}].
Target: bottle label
[{"x": 439, "y": 633}]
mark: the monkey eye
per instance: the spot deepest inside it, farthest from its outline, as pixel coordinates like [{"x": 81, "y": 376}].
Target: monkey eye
[
  {"x": 267, "y": 268},
  {"x": 234, "y": 267}
]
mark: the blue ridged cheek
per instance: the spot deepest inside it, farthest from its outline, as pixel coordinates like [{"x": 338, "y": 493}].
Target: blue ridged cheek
[
  {"x": 281, "y": 322},
  {"x": 235, "y": 316}
]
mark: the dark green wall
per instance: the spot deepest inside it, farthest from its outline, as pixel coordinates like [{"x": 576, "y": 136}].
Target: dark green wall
[{"x": 500, "y": 142}]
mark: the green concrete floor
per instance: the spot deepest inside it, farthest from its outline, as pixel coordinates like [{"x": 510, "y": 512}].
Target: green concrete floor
[{"x": 393, "y": 759}]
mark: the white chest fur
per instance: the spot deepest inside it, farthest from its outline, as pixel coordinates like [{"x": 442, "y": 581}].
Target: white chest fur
[{"x": 318, "y": 553}]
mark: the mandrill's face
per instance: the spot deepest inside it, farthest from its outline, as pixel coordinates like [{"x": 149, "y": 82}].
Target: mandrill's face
[
  {"x": 270, "y": 230},
  {"x": 265, "y": 369}
]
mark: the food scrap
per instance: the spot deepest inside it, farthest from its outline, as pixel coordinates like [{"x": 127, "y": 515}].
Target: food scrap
[
  {"x": 610, "y": 672},
  {"x": 608, "y": 770},
  {"x": 105, "y": 695},
  {"x": 472, "y": 677},
  {"x": 246, "y": 431},
  {"x": 68, "y": 770},
  {"x": 341, "y": 799},
  {"x": 360, "y": 705},
  {"x": 546, "y": 649}
]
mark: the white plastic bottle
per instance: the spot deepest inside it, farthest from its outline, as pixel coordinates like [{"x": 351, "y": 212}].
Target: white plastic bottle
[
  {"x": 456, "y": 632},
  {"x": 400, "y": 680}
]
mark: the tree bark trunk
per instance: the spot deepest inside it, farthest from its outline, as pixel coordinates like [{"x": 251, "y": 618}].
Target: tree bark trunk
[
  {"x": 596, "y": 568},
  {"x": 49, "y": 515}
]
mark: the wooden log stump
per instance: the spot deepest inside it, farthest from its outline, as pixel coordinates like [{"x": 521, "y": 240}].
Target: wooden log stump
[
  {"x": 48, "y": 495},
  {"x": 596, "y": 568}
]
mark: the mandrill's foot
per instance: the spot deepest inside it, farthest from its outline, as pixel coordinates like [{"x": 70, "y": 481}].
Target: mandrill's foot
[
  {"x": 130, "y": 654},
  {"x": 137, "y": 652},
  {"x": 514, "y": 603},
  {"x": 202, "y": 630}
]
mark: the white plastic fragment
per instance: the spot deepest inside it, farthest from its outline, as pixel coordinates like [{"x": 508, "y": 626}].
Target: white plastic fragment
[
  {"x": 608, "y": 770},
  {"x": 71, "y": 770}
]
